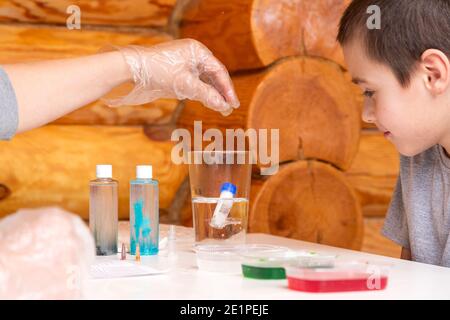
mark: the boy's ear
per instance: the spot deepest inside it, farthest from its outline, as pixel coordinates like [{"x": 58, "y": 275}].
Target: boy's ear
[{"x": 436, "y": 66}]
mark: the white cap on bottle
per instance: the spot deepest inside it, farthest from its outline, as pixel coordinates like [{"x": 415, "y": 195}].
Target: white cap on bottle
[
  {"x": 104, "y": 171},
  {"x": 144, "y": 172}
]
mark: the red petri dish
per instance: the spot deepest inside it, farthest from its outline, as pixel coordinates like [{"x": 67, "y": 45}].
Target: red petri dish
[{"x": 337, "y": 279}]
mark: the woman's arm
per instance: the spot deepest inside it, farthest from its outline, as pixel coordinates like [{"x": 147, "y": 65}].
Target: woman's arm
[
  {"x": 47, "y": 90},
  {"x": 179, "y": 69}
]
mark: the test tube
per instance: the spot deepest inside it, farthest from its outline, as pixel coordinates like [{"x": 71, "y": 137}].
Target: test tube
[
  {"x": 224, "y": 205},
  {"x": 123, "y": 253},
  {"x": 171, "y": 244}
]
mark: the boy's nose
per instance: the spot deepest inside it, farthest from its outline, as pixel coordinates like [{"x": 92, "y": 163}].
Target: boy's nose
[{"x": 368, "y": 114}]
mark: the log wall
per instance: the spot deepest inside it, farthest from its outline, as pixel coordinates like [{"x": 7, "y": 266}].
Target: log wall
[{"x": 284, "y": 62}]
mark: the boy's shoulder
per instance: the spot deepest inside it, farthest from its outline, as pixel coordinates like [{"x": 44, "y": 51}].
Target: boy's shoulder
[
  {"x": 430, "y": 157},
  {"x": 425, "y": 166},
  {"x": 418, "y": 216}
]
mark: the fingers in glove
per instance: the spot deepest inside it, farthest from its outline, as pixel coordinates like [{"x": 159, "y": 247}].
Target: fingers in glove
[
  {"x": 191, "y": 87},
  {"x": 215, "y": 74},
  {"x": 210, "y": 97}
]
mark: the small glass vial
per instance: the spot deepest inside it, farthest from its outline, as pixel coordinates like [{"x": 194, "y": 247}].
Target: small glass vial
[
  {"x": 144, "y": 212},
  {"x": 224, "y": 205},
  {"x": 103, "y": 211},
  {"x": 172, "y": 243}
]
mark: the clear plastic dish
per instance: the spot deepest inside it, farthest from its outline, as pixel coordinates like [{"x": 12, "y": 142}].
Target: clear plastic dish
[
  {"x": 347, "y": 276},
  {"x": 228, "y": 258},
  {"x": 314, "y": 260}
]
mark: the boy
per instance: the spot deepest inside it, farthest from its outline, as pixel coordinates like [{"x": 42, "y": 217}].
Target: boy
[{"x": 403, "y": 69}]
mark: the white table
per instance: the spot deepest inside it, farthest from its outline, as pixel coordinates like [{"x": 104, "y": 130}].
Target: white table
[{"x": 407, "y": 280}]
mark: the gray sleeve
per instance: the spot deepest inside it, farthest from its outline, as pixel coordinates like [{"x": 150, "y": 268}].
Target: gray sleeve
[
  {"x": 9, "y": 115},
  {"x": 395, "y": 226}
]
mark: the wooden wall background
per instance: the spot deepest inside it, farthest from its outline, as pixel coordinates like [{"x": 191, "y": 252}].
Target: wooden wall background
[{"x": 265, "y": 53}]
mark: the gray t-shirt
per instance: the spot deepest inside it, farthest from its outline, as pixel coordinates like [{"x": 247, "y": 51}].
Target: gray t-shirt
[
  {"x": 419, "y": 214},
  {"x": 9, "y": 117}
]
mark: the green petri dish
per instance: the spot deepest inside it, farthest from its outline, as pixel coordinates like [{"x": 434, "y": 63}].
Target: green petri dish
[
  {"x": 266, "y": 265},
  {"x": 270, "y": 265},
  {"x": 263, "y": 273}
]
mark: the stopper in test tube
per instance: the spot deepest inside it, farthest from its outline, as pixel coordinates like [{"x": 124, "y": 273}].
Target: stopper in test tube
[
  {"x": 123, "y": 253},
  {"x": 224, "y": 205},
  {"x": 138, "y": 253}
]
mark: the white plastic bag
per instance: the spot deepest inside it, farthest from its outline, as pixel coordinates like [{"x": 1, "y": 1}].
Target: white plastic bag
[{"x": 45, "y": 253}]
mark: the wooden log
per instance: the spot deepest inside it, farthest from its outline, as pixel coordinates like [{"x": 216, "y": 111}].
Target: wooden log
[
  {"x": 374, "y": 242},
  {"x": 309, "y": 100},
  {"x": 4, "y": 191},
  {"x": 309, "y": 201},
  {"x": 97, "y": 113},
  {"x": 148, "y": 13},
  {"x": 366, "y": 125},
  {"x": 374, "y": 173},
  {"x": 248, "y": 34},
  {"x": 53, "y": 165},
  {"x": 30, "y": 43}
]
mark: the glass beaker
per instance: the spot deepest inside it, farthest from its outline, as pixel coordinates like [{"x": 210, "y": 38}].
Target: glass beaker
[{"x": 220, "y": 187}]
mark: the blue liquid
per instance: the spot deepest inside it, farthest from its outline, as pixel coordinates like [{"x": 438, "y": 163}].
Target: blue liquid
[
  {"x": 142, "y": 230},
  {"x": 145, "y": 217}
]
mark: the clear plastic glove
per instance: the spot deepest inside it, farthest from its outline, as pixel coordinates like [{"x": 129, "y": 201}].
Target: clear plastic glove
[
  {"x": 180, "y": 69},
  {"x": 44, "y": 254}
]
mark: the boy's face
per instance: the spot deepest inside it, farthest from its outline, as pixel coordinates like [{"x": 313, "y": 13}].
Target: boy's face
[{"x": 410, "y": 117}]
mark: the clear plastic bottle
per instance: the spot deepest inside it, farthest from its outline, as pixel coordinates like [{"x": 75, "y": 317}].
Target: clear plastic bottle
[
  {"x": 172, "y": 243},
  {"x": 103, "y": 211},
  {"x": 144, "y": 212}
]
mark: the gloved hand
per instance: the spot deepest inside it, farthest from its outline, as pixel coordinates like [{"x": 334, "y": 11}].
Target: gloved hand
[{"x": 181, "y": 69}]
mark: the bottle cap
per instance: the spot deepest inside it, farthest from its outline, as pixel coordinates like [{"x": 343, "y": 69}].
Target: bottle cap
[
  {"x": 103, "y": 171},
  {"x": 144, "y": 172},
  {"x": 228, "y": 187}
]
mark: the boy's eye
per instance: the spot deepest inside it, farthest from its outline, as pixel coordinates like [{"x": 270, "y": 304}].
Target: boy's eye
[{"x": 368, "y": 93}]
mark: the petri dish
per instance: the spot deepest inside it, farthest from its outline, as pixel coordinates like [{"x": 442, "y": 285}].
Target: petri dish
[
  {"x": 343, "y": 277},
  {"x": 313, "y": 259},
  {"x": 271, "y": 265},
  {"x": 266, "y": 265},
  {"x": 227, "y": 258}
]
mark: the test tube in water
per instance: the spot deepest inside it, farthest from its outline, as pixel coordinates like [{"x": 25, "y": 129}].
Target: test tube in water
[{"x": 224, "y": 205}]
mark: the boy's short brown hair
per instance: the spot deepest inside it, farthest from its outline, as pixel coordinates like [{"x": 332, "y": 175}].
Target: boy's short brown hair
[{"x": 408, "y": 29}]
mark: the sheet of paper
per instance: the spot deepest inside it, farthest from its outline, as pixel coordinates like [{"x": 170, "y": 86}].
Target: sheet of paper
[{"x": 115, "y": 268}]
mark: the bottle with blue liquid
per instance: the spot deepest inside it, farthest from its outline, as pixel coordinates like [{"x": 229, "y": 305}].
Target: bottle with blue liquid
[{"x": 144, "y": 212}]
